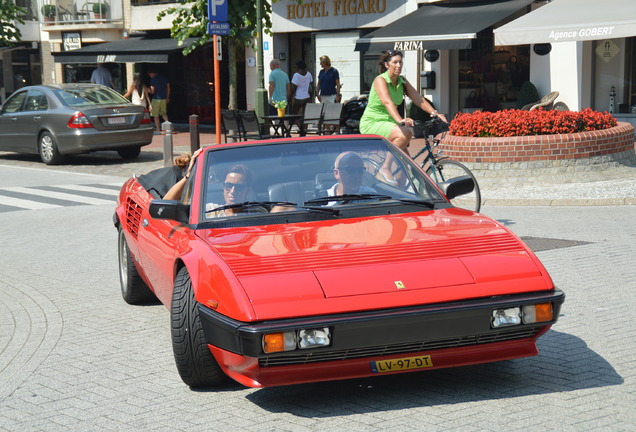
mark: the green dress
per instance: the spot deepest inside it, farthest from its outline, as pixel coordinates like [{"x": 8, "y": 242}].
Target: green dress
[{"x": 376, "y": 120}]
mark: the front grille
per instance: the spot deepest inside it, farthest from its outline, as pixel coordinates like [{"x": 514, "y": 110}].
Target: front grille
[{"x": 305, "y": 357}]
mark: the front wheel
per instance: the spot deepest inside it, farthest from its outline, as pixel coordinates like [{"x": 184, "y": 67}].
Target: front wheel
[
  {"x": 195, "y": 363},
  {"x": 133, "y": 289},
  {"x": 448, "y": 169}
]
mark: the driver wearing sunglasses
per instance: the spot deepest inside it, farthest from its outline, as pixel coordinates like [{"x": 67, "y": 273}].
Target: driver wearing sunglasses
[{"x": 349, "y": 170}]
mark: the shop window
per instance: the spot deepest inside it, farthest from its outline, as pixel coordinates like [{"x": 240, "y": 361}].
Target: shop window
[
  {"x": 490, "y": 77},
  {"x": 81, "y": 73},
  {"x": 630, "y": 106}
]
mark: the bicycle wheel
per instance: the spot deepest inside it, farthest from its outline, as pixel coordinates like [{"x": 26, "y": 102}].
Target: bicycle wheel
[
  {"x": 448, "y": 169},
  {"x": 372, "y": 166}
]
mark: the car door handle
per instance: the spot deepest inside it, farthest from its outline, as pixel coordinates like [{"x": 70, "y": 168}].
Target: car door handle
[
  {"x": 37, "y": 117},
  {"x": 14, "y": 119}
]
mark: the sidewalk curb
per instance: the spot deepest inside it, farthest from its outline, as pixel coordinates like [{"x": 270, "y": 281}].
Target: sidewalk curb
[{"x": 565, "y": 202}]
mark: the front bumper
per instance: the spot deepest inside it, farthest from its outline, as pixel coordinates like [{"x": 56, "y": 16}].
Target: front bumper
[{"x": 446, "y": 329}]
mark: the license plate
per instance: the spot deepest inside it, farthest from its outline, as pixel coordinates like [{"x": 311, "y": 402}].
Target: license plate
[
  {"x": 419, "y": 362},
  {"x": 116, "y": 120}
]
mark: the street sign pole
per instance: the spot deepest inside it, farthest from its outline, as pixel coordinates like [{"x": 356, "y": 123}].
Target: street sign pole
[
  {"x": 217, "y": 89},
  {"x": 217, "y": 25},
  {"x": 260, "y": 105}
]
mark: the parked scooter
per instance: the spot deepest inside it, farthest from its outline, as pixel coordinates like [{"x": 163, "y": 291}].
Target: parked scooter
[{"x": 352, "y": 113}]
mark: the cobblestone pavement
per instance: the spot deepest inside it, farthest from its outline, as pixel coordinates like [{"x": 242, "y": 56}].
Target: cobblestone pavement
[
  {"x": 75, "y": 356},
  {"x": 594, "y": 181}
]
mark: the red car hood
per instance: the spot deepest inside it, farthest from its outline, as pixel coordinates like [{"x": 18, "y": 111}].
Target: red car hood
[{"x": 353, "y": 264}]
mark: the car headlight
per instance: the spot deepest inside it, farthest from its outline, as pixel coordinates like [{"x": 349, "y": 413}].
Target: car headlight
[
  {"x": 296, "y": 339},
  {"x": 314, "y": 338},
  {"x": 506, "y": 317},
  {"x": 527, "y": 314}
]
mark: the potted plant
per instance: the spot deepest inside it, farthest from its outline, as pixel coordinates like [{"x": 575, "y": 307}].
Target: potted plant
[
  {"x": 49, "y": 12},
  {"x": 280, "y": 106},
  {"x": 100, "y": 10}
]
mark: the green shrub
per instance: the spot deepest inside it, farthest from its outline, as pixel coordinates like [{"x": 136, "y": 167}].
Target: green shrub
[
  {"x": 49, "y": 11},
  {"x": 100, "y": 8},
  {"x": 527, "y": 94}
]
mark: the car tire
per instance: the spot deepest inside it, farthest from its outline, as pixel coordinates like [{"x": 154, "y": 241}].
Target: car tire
[
  {"x": 47, "y": 147},
  {"x": 133, "y": 289},
  {"x": 129, "y": 152},
  {"x": 196, "y": 365}
]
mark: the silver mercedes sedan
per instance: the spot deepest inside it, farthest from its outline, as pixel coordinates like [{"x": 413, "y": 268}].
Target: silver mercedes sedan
[{"x": 57, "y": 120}]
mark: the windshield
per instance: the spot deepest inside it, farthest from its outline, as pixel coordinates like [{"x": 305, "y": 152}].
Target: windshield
[
  {"x": 322, "y": 177},
  {"x": 82, "y": 97}
]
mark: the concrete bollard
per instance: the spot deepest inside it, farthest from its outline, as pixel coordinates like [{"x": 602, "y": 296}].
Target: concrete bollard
[
  {"x": 194, "y": 133},
  {"x": 166, "y": 135}
]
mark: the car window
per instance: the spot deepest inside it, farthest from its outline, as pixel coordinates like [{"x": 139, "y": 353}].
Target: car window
[
  {"x": 90, "y": 96},
  {"x": 36, "y": 101},
  {"x": 14, "y": 103}
]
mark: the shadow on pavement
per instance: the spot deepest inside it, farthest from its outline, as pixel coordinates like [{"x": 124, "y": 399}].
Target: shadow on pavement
[
  {"x": 96, "y": 158},
  {"x": 565, "y": 363}
]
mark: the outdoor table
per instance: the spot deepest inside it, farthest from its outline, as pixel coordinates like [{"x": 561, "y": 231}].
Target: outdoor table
[{"x": 282, "y": 125}]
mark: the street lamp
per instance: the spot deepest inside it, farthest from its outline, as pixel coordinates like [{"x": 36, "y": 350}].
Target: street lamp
[{"x": 261, "y": 94}]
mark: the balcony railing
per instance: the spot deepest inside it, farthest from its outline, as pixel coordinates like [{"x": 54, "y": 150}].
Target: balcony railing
[{"x": 56, "y": 12}]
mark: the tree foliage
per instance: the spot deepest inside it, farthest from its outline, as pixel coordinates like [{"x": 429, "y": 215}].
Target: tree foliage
[
  {"x": 191, "y": 19},
  {"x": 10, "y": 16}
]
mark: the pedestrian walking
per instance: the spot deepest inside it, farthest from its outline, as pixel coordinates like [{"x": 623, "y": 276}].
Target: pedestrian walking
[
  {"x": 101, "y": 75},
  {"x": 138, "y": 93},
  {"x": 328, "y": 86},
  {"x": 301, "y": 88},
  {"x": 160, "y": 91},
  {"x": 279, "y": 85}
]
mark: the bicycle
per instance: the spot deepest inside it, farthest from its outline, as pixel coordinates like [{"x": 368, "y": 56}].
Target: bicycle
[
  {"x": 441, "y": 168},
  {"x": 437, "y": 167}
]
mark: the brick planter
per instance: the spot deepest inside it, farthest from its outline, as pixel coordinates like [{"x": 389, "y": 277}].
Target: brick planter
[{"x": 488, "y": 150}]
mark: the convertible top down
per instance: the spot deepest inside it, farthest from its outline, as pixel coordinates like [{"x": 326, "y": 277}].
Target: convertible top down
[{"x": 285, "y": 261}]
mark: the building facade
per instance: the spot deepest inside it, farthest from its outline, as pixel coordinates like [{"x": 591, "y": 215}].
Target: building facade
[{"x": 456, "y": 41}]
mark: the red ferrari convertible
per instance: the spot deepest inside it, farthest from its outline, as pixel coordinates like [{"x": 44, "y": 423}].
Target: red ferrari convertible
[{"x": 286, "y": 261}]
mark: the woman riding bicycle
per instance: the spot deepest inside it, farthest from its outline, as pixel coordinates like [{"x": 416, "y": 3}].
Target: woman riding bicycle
[{"x": 381, "y": 116}]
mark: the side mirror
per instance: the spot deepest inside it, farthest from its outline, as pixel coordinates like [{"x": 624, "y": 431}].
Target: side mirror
[
  {"x": 457, "y": 186},
  {"x": 171, "y": 210}
]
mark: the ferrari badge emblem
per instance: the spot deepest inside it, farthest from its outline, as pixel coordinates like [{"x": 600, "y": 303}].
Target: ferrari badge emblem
[{"x": 399, "y": 285}]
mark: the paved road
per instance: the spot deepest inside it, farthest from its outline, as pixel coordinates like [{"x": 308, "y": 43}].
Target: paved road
[{"x": 74, "y": 356}]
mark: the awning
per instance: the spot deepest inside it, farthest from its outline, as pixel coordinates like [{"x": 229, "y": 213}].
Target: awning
[
  {"x": 443, "y": 25},
  {"x": 571, "y": 20},
  {"x": 132, "y": 50}
]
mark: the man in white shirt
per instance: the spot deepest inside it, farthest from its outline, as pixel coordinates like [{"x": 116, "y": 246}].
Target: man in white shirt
[
  {"x": 349, "y": 170},
  {"x": 102, "y": 76}
]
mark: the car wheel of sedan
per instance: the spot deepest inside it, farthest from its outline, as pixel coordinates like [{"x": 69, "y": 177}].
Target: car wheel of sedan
[
  {"x": 195, "y": 363},
  {"x": 133, "y": 289},
  {"x": 47, "y": 147},
  {"x": 129, "y": 152}
]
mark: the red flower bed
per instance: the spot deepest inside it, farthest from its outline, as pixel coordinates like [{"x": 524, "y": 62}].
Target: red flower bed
[{"x": 515, "y": 122}]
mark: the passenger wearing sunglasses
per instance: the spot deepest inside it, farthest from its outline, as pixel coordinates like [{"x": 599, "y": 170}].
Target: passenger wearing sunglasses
[
  {"x": 236, "y": 185},
  {"x": 349, "y": 170},
  {"x": 381, "y": 116}
]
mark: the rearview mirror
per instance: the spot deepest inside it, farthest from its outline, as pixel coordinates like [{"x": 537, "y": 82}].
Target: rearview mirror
[
  {"x": 170, "y": 209},
  {"x": 457, "y": 186}
]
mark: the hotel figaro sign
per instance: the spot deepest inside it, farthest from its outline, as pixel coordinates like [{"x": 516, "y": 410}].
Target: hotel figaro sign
[{"x": 334, "y": 8}]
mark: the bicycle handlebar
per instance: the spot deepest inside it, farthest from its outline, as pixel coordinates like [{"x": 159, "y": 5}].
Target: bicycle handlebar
[{"x": 433, "y": 127}]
